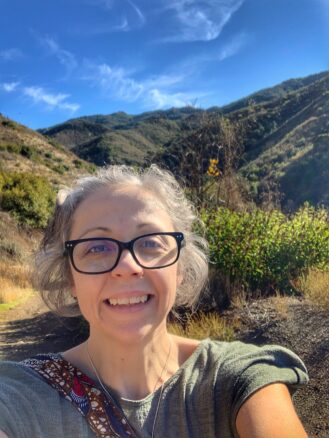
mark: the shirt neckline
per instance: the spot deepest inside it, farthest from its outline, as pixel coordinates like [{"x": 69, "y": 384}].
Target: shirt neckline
[
  {"x": 149, "y": 397},
  {"x": 170, "y": 381}
]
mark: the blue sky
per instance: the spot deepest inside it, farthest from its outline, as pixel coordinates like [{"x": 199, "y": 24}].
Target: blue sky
[{"x": 67, "y": 58}]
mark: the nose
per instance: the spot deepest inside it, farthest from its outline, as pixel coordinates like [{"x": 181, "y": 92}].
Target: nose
[{"x": 127, "y": 265}]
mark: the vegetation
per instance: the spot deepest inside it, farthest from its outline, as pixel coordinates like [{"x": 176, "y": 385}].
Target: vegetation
[
  {"x": 241, "y": 165},
  {"x": 28, "y": 197},
  {"x": 264, "y": 252},
  {"x": 315, "y": 287},
  {"x": 202, "y": 326},
  {"x": 284, "y": 126}
]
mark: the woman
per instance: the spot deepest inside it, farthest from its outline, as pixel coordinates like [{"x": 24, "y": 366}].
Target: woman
[{"x": 121, "y": 246}]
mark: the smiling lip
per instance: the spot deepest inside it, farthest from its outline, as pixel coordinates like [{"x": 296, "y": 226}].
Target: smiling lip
[{"x": 130, "y": 301}]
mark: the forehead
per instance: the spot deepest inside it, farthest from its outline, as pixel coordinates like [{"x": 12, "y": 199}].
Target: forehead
[{"x": 119, "y": 209}]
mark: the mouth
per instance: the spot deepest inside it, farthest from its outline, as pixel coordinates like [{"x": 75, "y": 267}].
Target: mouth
[{"x": 128, "y": 302}]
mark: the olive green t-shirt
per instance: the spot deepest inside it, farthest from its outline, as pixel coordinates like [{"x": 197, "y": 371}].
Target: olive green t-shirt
[{"x": 201, "y": 399}]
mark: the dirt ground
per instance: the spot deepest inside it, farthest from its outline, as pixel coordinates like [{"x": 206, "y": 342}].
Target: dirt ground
[{"x": 30, "y": 329}]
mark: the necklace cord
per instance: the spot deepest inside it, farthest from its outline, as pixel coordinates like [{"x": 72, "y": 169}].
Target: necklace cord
[{"x": 163, "y": 372}]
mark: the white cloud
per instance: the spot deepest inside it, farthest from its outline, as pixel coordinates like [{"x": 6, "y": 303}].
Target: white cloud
[
  {"x": 198, "y": 63},
  {"x": 66, "y": 58},
  {"x": 39, "y": 95},
  {"x": 200, "y": 20},
  {"x": 127, "y": 16},
  {"x": 158, "y": 99},
  {"x": 164, "y": 81},
  {"x": 9, "y": 87},
  {"x": 154, "y": 92},
  {"x": 10, "y": 54},
  {"x": 139, "y": 13},
  {"x": 233, "y": 47},
  {"x": 116, "y": 81}
]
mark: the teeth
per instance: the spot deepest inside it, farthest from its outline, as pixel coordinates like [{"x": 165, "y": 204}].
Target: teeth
[{"x": 127, "y": 301}]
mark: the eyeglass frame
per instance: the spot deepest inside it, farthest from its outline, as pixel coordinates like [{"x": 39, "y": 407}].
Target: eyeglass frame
[{"x": 69, "y": 246}]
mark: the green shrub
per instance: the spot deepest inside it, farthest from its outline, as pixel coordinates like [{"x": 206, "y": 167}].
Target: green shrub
[
  {"x": 9, "y": 123},
  {"x": 263, "y": 252},
  {"x": 49, "y": 155},
  {"x": 78, "y": 164},
  {"x": 13, "y": 148},
  {"x": 29, "y": 198},
  {"x": 61, "y": 168}
]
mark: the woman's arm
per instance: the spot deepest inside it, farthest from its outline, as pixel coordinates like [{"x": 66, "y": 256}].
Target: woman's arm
[
  {"x": 3, "y": 435},
  {"x": 269, "y": 413}
]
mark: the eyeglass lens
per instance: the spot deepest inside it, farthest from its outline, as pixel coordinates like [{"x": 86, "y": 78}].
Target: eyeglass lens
[{"x": 100, "y": 255}]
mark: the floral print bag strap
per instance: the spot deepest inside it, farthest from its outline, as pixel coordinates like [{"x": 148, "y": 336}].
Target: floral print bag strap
[{"x": 104, "y": 417}]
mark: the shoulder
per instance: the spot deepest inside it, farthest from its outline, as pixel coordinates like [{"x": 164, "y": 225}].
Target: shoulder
[
  {"x": 29, "y": 406},
  {"x": 236, "y": 357},
  {"x": 18, "y": 381},
  {"x": 15, "y": 371},
  {"x": 245, "y": 369}
]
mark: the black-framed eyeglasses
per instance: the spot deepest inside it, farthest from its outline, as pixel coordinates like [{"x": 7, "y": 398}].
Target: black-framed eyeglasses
[{"x": 97, "y": 255}]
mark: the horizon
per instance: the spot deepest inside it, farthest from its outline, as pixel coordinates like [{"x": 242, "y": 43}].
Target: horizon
[{"x": 78, "y": 58}]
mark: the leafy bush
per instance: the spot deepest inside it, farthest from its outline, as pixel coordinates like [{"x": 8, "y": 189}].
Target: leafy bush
[
  {"x": 78, "y": 164},
  {"x": 9, "y": 123},
  {"x": 28, "y": 197},
  {"x": 263, "y": 252},
  {"x": 60, "y": 168},
  {"x": 11, "y": 147},
  {"x": 49, "y": 155},
  {"x": 28, "y": 152}
]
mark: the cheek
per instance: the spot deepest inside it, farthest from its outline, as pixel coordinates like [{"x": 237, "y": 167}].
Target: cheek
[{"x": 84, "y": 287}]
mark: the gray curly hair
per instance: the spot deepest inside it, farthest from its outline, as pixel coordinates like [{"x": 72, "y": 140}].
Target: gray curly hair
[{"x": 53, "y": 273}]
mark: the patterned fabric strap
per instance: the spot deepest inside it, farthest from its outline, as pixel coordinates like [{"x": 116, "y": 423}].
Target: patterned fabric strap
[{"x": 103, "y": 416}]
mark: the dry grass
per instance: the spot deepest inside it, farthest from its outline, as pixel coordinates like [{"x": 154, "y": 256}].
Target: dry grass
[
  {"x": 204, "y": 326},
  {"x": 14, "y": 281},
  {"x": 13, "y": 295},
  {"x": 280, "y": 304},
  {"x": 315, "y": 287}
]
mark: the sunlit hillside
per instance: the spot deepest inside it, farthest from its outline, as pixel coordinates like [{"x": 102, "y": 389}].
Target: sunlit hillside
[{"x": 286, "y": 139}]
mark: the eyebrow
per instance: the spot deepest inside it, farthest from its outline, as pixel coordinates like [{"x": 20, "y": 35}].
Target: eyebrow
[
  {"x": 95, "y": 229},
  {"x": 108, "y": 230}
]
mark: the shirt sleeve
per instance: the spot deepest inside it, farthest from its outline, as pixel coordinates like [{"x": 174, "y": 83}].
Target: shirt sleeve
[{"x": 249, "y": 368}]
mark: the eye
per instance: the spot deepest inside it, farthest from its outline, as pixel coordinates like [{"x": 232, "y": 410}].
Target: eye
[
  {"x": 99, "y": 249},
  {"x": 150, "y": 243},
  {"x": 96, "y": 247}
]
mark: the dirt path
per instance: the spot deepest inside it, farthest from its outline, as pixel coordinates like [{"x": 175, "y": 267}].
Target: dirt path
[
  {"x": 30, "y": 329},
  {"x": 303, "y": 328}
]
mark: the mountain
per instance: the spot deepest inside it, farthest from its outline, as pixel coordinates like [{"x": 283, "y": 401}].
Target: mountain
[
  {"x": 288, "y": 143},
  {"x": 285, "y": 142},
  {"x": 119, "y": 137}
]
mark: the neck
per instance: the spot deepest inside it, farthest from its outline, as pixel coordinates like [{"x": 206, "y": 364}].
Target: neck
[{"x": 136, "y": 371}]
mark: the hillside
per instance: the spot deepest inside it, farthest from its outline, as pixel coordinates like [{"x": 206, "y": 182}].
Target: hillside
[
  {"x": 23, "y": 150},
  {"x": 119, "y": 137},
  {"x": 288, "y": 143},
  {"x": 286, "y": 140}
]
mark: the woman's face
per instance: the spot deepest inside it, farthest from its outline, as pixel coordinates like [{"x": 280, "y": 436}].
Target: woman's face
[{"x": 123, "y": 215}]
